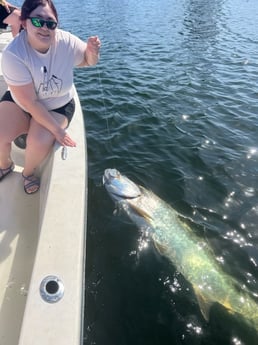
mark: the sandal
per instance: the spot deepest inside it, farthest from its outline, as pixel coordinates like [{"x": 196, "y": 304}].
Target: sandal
[
  {"x": 5, "y": 172},
  {"x": 30, "y": 182}
]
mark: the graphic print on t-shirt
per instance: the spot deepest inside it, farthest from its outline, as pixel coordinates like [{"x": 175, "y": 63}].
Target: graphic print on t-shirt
[{"x": 50, "y": 86}]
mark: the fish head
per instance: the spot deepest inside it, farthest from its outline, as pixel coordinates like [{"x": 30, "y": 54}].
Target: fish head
[
  {"x": 129, "y": 197},
  {"x": 119, "y": 187}
]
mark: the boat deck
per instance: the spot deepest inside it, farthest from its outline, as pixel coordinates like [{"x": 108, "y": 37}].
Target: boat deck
[
  {"x": 42, "y": 235},
  {"x": 18, "y": 240}
]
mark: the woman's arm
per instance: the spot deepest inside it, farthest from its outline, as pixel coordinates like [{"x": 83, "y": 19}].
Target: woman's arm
[{"x": 28, "y": 100}]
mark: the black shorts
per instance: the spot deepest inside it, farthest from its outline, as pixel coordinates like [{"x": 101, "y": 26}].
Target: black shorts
[
  {"x": 67, "y": 110},
  {"x": 4, "y": 14}
]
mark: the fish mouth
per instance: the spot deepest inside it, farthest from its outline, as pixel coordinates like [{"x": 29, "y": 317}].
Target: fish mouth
[
  {"x": 119, "y": 186},
  {"x": 110, "y": 174}
]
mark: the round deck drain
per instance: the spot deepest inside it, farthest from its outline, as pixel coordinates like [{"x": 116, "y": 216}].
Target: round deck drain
[{"x": 51, "y": 289}]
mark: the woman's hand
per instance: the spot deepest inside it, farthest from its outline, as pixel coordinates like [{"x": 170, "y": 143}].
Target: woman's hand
[
  {"x": 64, "y": 138},
  {"x": 92, "y": 50},
  {"x": 93, "y": 44}
]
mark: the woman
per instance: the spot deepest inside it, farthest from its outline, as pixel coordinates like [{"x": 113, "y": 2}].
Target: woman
[
  {"x": 10, "y": 15},
  {"x": 38, "y": 68}
]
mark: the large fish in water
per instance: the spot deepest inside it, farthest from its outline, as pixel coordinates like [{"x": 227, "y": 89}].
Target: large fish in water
[{"x": 191, "y": 256}]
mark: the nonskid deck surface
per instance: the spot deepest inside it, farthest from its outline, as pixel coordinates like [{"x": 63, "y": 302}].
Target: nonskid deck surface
[{"x": 18, "y": 241}]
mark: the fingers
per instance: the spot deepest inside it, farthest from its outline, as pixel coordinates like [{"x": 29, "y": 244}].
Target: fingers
[
  {"x": 94, "y": 43},
  {"x": 94, "y": 40},
  {"x": 68, "y": 141},
  {"x": 65, "y": 140}
]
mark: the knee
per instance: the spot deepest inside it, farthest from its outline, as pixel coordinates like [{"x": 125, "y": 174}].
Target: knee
[{"x": 40, "y": 143}]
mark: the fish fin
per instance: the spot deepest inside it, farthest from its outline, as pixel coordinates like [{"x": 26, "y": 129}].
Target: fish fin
[
  {"x": 141, "y": 212},
  {"x": 204, "y": 304}
]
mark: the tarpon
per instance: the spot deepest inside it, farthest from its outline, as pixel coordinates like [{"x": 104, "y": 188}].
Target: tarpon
[{"x": 189, "y": 254}]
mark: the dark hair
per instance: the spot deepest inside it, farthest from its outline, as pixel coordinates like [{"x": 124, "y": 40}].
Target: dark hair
[{"x": 30, "y": 5}]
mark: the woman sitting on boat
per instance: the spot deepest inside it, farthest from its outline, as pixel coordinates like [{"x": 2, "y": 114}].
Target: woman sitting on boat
[{"x": 38, "y": 68}]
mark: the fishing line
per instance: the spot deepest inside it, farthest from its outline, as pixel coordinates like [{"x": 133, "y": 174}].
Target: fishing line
[{"x": 104, "y": 105}]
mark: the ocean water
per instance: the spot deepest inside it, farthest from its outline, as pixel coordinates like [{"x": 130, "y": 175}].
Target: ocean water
[{"x": 173, "y": 104}]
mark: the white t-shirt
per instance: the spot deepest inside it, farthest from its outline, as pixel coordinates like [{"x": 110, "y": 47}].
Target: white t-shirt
[{"x": 51, "y": 73}]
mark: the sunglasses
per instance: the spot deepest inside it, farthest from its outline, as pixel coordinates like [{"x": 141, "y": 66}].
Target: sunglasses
[{"x": 39, "y": 23}]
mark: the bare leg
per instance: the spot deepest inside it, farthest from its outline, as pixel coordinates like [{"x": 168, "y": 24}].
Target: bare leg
[
  {"x": 39, "y": 143},
  {"x": 13, "y": 122}
]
